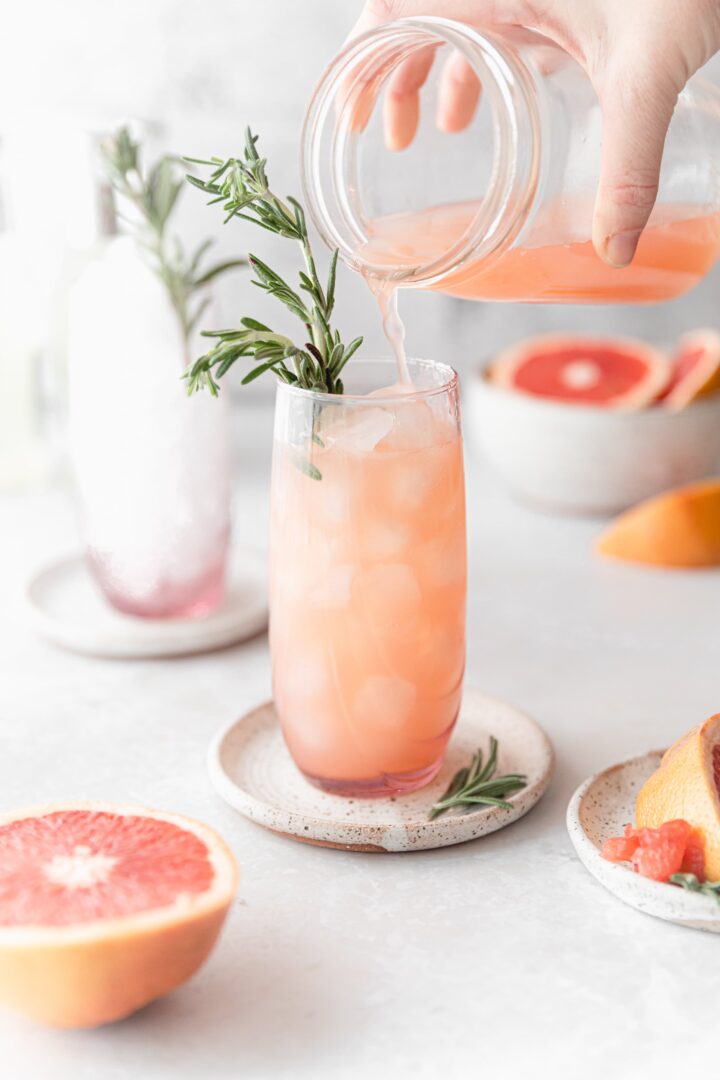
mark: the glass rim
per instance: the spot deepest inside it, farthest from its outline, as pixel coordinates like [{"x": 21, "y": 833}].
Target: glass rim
[
  {"x": 450, "y": 382},
  {"x": 516, "y": 116}
]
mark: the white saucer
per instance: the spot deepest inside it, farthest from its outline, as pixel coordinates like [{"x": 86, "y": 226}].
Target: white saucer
[
  {"x": 251, "y": 769},
  {"x": 600, "y": 808},
  {"x": 65, "y": 606}
]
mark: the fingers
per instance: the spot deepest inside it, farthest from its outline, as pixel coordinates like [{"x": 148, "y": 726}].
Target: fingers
[
  {"x": 401, "y": 107},
  {"x": 636, "y": 115},
  {"x": 376, "y": 12},
  {"x": 458, "y": 95}
]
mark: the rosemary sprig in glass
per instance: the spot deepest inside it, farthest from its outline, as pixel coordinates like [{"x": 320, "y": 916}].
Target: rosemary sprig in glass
[
  {"x": 241, "y": 185},
  {"x": 691, "y": 883},
  {"x": 154, "y": 196},
  {"x": 476, "y": 784}
]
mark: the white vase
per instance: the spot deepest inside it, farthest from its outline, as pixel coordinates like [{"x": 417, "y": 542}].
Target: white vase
[{"x": 152, "y": 465}]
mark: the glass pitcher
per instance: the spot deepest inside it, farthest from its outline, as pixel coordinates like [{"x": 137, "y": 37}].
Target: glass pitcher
[{"x": 501, "y": 210}]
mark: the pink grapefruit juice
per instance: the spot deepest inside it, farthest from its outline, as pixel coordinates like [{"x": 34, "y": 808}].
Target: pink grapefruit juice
[
  {"x": 368, "y": 583},
  {"x": 556, "y": 264}
]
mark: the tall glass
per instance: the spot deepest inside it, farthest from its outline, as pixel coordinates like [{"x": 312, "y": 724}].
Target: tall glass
[{"x": 368, "y": 577}]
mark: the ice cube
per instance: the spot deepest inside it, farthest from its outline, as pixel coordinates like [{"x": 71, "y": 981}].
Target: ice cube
[
  {"x": 408, "y": 482},
  {"x": 384, "y": 701},
  {"x": 333, "y": 498},
  {"x": 389, "y": 596},
  {"x": 334, "y": 591},
  {"x": 359, "y": 430},
  {"x": 444, "y": 560},
  {"x": 413, "y": 426},
  {"x": 305, "y": 675},
  {"x": 384, "y": 540}
]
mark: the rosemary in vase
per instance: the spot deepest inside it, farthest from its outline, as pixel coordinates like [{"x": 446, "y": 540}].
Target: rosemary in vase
[
  {"x": 241, "y": 187},
  {"x": 153, "y": 195}
]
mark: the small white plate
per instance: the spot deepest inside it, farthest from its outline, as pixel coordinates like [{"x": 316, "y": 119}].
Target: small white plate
[
  {"x": 600, "y": 808},
  {"x": 252, "y": 770},
  {"x": 65, "y": 606}
]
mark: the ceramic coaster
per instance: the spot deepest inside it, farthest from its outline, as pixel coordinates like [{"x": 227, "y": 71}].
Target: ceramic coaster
[
  {"x": 65, "y": 606},
  {"x": 600, "y": 808},
  {"x": 252, "y": 770}
]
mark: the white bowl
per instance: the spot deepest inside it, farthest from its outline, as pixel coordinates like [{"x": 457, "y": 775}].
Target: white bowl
[{"x": 583, "y": 459}]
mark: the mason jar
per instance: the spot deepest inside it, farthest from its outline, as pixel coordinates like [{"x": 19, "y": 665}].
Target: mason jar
[{"x": 502, "y": 209}]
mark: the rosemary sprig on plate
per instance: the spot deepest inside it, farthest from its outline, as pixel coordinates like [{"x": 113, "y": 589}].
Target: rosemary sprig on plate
[
  {"x": 477, "y": 785},
  {"x": 691, "y": 883},
  {"x": 241, "y": 186},
  {"x": 154, "y": 195}
]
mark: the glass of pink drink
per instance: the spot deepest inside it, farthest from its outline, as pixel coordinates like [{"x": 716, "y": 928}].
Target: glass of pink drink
[{"x": 368, "y": 577}]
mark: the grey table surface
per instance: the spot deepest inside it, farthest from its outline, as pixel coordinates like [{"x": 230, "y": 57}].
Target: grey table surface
[{"x": 498, "y": 954}]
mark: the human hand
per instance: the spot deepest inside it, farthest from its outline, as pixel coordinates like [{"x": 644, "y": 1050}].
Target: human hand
[{"x": 638, "y": 55}]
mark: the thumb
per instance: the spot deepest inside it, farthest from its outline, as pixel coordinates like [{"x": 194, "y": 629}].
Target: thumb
[{"x": 636, "y": 116}]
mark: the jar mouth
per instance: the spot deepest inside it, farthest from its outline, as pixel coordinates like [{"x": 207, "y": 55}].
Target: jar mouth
[
  {"x": 448, "y": 382},
  {"x": 338, "y": 134}
]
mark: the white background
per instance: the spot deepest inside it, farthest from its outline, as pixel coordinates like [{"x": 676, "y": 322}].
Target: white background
[
  {"x": 501, "y": 957},
  {"x": 205, "y": 69}
]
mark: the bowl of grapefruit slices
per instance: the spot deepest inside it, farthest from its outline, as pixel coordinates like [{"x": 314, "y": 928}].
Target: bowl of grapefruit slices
[{"x": 596, "y": 424}]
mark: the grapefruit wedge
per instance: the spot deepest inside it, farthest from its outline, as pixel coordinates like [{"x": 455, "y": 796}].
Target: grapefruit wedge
[
  {"x": 104, "y": 908},
  {"x": 685, "y": 785},
  {"x": 695, "y": 369},
  {"x": 680, "y": 528},
  {"x": 611, "y": 373}
]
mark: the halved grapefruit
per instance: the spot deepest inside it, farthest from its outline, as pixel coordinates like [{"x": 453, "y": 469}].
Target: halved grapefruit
[
  {"x": 680, "y": 528},
  {"x": 612, "y": 373},
  {"x": 695, "y": 369},
  {"x": 104, "y": 908},
  {"x": 686, "y": 785}
]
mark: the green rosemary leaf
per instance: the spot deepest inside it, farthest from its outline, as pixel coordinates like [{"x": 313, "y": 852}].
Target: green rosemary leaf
[
  {"x": 349, "y": 352},
  {"x": 200, "y": 253},
  {"x": 240, "y": 185},
  {"x": 330, "y": 290},
  {"x": 217, "y": 269},
  {"x": 253, "y": 324},
  {"x": 308, "y": 468},
  {"x": 476, "y": 784},
  {"x": 154, "y": 194},
  {"x": 455, "y": 785},
  {"x": 259, "y": 370},
  {"x": 691, "y": 883}
]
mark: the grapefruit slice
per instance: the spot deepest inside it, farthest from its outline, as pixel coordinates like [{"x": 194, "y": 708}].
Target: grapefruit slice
[
  {"x": 612, "y": 373},
  {"x": 680, "y": 528},
  {"x": 672, "y": 848},
  {"x": 104, "y": 908},
  {"x": 686, "y": 785},
  {"x": 695, "y": 369}
]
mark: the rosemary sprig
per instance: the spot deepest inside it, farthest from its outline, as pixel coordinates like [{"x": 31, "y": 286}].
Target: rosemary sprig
[
  {"x": 476, "y": 784},
  {"x": 154, "y": 196},
  {"x": 691, "y": 883},
  {"x": 241, "y": 186}
]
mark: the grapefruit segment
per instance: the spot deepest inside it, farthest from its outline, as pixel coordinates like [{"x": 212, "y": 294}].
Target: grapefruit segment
[
  {"x": 606, "y": 372},
  {"x": 658, "y": 853},
  {"x": 695, "y": 369},
  {"x": 680, "y": 528},
  {"x": 105, "y": 908},
  {"x": 685, "y": 786}
]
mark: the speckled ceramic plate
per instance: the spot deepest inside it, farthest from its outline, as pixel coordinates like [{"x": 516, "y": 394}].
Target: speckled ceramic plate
[
  {"x": 65, "y": 606},
  {"x": 251, "y": 769},
  {"x": 600, "y": 808}
]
